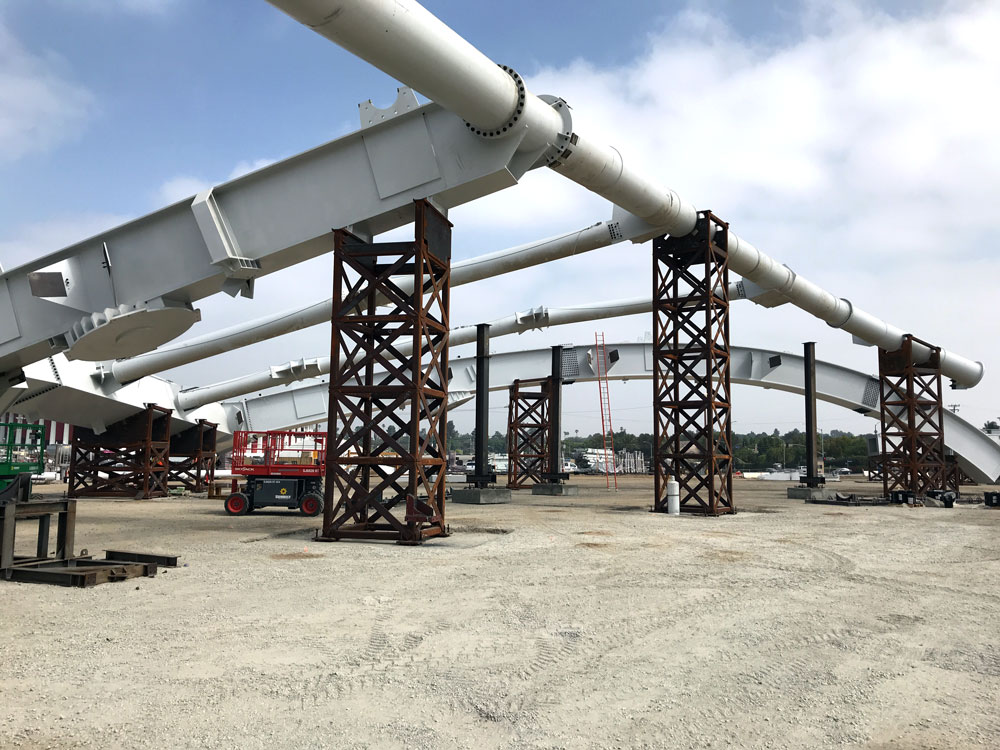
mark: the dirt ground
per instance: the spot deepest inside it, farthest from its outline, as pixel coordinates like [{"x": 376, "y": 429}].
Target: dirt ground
[{"x": 545, "y": 623}]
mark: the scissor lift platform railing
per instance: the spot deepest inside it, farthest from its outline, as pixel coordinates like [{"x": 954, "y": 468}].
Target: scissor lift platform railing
[{"x": 279, "y": 453}]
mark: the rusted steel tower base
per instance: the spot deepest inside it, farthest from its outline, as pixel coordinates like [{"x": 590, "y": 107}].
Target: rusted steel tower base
[
  {"x": 385, "y": 463},
  {"x": 691, "y": 376},
  {"x": 528, "y": 428},
  {"x": 192, "y": 456},
  {"x": 130, "y": 458},
  {"x": 912, "y": 420}
]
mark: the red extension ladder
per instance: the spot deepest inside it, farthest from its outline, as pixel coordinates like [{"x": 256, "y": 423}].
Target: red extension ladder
[{"x": 607, "y": 432}]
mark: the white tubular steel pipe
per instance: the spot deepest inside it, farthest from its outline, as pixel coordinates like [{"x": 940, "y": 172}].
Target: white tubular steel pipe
[
  {"x": 415, "y": 46},
  {"x": 516, "y": 323},
  {"x": 404, "y": 40},
  {"x": 462, "y": 272},
  {"x": 219, "y": 342}
]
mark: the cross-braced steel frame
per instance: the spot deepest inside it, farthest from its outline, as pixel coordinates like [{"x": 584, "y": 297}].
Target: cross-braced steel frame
[
  {"x": 691, "y": 374},
  {"x": 529, "y": 425},
  {"x": 130, "y": 458},
  {"x": 385, "y": 462},
  {"x": 192, "y": 456},
  {"x": 912, "y": 420}
]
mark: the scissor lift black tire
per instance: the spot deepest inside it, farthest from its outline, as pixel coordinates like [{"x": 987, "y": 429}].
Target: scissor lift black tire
[{"x": 237, "y": 504}]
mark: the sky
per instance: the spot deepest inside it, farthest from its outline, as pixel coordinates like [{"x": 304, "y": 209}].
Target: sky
[{"x": 854, "y": 141}]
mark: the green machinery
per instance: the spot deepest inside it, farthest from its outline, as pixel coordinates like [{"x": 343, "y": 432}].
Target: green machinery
[{"x": 22, "y": 449}]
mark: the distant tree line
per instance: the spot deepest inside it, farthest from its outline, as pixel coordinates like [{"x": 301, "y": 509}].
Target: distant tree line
[{"x": 753, "y": 451}]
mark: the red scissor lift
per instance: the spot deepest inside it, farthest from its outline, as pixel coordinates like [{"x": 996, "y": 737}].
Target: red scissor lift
[{"x": 282, "y": 468}]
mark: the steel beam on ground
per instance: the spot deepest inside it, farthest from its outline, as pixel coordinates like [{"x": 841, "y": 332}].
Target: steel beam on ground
[
  {"x": 388, "y": 428},
  {"x": 691, "y": 369}
]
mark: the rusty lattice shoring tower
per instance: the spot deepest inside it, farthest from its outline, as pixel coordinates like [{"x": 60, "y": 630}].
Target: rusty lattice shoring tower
[
  {"x": 691, "y": 377},
  {"x": 913, "y": 457},
  {"x": 193, "y": 455},
  {"x": 528, "y": 433},
  {"x": 131, "y": 458},
  {"x": 385, "y": 465}
]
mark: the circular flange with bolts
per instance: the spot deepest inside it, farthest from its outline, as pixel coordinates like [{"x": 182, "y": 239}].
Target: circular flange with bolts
[
  {"x": 311, "y": 504},
  {"x": 518, "y": 110},
  {"x": 237, "y": 504}
]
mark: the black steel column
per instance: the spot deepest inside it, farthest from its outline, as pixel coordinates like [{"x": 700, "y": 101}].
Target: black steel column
[
  {"x": 555, "y": 472},
  {"x": 809, "y": 364},
  {"x": 483, "y": 476},
  {"x": 555, "y": 417}
]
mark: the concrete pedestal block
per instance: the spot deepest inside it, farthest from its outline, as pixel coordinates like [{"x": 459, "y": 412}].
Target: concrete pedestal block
[
  {"x": 480, "y": 496},
  {"x": 811, "y": 494},
  {"x": 555, "y": 489}
]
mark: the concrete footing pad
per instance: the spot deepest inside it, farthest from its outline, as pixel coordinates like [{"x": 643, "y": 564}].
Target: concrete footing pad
[
  {"x": 480, "y": 496},
  {"x": 555, "y": 489},
  {"x": 811, "y": 494}
]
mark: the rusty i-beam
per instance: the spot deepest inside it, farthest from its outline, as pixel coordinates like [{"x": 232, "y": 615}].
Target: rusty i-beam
[
  {"x": 385, "y": 464},
  {"x": 913, "y": 457},
  {"x": 691, "y": 377}
]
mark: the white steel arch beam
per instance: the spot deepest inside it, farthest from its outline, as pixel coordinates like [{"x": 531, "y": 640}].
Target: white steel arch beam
[
  {"x": 132, "y": 288},
  {"x": 600, "y": 234},
  {"x": 304, "y": 369},
  {"x": 73, "y": 391},
  {"x": 403, "y": 39},
  {"x": 978, "y": 454}
]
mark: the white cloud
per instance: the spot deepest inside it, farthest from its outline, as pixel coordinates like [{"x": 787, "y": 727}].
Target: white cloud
[
  {"x": 863, "y": 154},
  {"x": 246, "y": 167},
  {"x": 179, "y": 188},
  {"x": 39, "y": 106},
  {"x": 184, "y": 186}
]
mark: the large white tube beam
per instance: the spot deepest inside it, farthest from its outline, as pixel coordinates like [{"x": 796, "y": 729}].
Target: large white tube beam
[
  {"x": 303, "y": 369},
  {"x": 404, "y": 40},
  {"x": 413, "y": 45},
  {"x": 596, "y": 236}
]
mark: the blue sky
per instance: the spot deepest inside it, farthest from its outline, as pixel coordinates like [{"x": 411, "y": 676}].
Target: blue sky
[
  {"x": 812, "y": 126},
  {"x": 198, "y": 87}
]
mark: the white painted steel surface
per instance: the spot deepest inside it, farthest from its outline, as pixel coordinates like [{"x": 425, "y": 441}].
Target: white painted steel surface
[
  {"x": 303, "y": 369},
  {"x": 598, "y": 235},
  {"x": 404, "y": 40},
  {"x": 139, "y": 281},
  {"x": 978, "y": 453}
]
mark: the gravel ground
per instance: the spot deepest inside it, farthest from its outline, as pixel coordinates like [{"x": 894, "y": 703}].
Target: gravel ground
[{"x": 549, "y": 623}]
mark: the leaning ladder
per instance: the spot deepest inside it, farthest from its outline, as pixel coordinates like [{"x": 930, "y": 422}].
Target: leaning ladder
[{"x": 607, "y": 432}]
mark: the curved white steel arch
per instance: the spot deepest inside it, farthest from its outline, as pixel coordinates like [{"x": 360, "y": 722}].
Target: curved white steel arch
[{"x": 978, "y": 454}]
